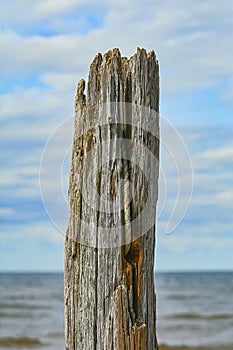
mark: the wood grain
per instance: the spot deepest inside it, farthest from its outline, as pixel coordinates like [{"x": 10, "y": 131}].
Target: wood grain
[{"x": 109, "y": 280}]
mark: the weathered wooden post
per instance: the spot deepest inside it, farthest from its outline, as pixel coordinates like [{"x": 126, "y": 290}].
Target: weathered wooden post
[{"x": 109, "y": 253}]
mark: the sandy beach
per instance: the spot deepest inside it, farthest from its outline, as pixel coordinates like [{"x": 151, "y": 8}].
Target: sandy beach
[{"x": 166, "y": 347}]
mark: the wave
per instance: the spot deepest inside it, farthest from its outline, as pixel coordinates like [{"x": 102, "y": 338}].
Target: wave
[
  {"x": 21, "y": 314},
  {"x": 182, "y": 296},
  {"x": 196, "y": 316},
  {"x": 20, "y": 342},
  {"x": 25, "y": 306},
  {"x": 56, "y": 335}
]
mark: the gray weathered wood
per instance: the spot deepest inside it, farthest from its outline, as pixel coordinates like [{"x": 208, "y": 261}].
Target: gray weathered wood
[{"x": 109, "y": 279}]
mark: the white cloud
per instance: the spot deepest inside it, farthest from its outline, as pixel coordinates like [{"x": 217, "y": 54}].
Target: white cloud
[
  {"x": 193, "y": 43},
  {"x": 16, "y": 183},
  {"x": 219, "y": 155},
  {"x": 213, "y": 184},
  {"x": 35, "y": 104},
  {"x": 9, "y": 9},
  {"x": 184, "y": 37},
  {"x": 213, "y": 177},
  {"x": 26, "y": 11},
  {"x": 37, "y": 54},
  {"x": 64, "y": 82},
  {"x": 6, "y": 212},
  {"x": 180, "y": 243},
  {"x": 45, "y": 9},
  {"x": 39, "y": 230}
]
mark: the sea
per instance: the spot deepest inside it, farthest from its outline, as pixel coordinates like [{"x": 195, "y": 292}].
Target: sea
[{"x": 194, "y": 311}]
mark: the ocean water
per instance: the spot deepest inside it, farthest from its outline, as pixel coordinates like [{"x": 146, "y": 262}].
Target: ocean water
[
  {"x": 31, "y": 311},
  {"x": 194, "y": 311}
]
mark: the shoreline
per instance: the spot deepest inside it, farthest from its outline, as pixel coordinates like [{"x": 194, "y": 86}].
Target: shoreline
[{"x": 198, "y": 347}]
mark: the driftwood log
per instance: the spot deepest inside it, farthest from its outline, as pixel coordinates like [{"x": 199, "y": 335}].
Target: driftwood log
[{"x": 110, "y": 241}]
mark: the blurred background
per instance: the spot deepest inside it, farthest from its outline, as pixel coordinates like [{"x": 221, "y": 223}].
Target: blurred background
[{"x": 45, "y": 48}]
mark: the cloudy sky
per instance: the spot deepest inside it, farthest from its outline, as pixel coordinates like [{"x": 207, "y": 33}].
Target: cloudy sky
[{"x": 47, "y": 46}]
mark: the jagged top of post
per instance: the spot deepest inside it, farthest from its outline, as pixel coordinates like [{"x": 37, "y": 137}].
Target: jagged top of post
[
  {"x": 115, "y": 53},
  {"x": 113, "y": 78}
]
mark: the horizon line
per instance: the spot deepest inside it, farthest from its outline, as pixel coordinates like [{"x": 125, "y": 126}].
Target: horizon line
[{"x": 212, "y": 270}]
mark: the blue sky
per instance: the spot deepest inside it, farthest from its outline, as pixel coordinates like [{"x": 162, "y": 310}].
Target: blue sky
[{"x": 47, "y": 46}]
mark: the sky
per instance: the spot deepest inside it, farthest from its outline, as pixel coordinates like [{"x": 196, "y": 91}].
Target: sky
[{"x": 46, "y": 47}]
